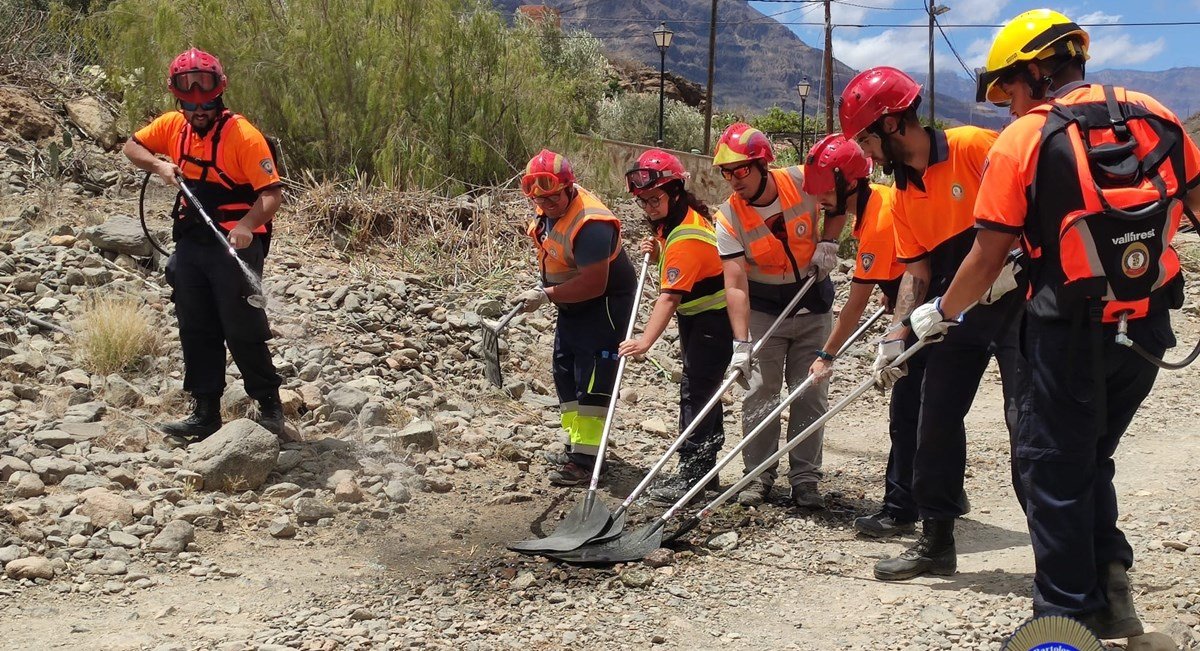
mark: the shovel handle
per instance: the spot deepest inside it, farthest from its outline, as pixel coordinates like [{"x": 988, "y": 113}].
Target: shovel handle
[
  {"x": 762, "y": 424},
  {"x": 195, "y": 202},
  {"x": 616, "y": 389},
  {"x": 730, "y": 378},
  {"x": 503, "y": 323}
]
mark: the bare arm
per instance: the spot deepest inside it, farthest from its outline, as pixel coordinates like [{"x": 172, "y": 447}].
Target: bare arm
[
  {"x": 145, "y": 160},
  {"x": 264, "y": 209},
  {"x": 737, "y": 296},
  {"x": 664, "y": 308},
  {"x": 832, "y": 229},
  {"x": 1193, "y": 200},
  {"x": 978, "y": 271},
  {"x": 590, "y": 283},
  {"x": 913, "y": 288}
]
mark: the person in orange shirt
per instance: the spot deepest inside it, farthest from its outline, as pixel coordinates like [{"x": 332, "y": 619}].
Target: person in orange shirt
[
  {"x": 588, "y": 277},
  {"x": 229, "y": 167},
  {"x": 771, "y": 242},
  {"x": 937, "y": 178},
  {"x": 836, "y": 173},
  {"x": 684, "y": 246},
  {"x": 1095, "y": 271}
]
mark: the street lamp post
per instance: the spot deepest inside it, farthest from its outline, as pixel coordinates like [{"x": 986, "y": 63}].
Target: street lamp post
[
  {"x": 934, "y": 12},
  {"x": 662, "y": 38},
  {"x": 802, "y": 89}
]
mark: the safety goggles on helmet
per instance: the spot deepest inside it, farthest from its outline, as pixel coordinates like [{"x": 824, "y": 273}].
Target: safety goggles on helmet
[
  {"x": 205, "y": 81},
  {"x": 541, "y": 184},
  {"x": 207, "y": 106},
  {"x": 739, "y": 172},
  {"x": 644, "y": 178}
]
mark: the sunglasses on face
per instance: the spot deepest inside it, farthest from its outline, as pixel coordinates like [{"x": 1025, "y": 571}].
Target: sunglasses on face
[
  {"x": 207, "y": 106},
  {"x": 740, "y": 172}
]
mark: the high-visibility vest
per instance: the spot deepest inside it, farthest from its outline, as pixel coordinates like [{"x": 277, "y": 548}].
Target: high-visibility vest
[
  {"x": 707, "y": 293},
  {"x": 769, "y": 260},
  {"x": 556, "y": 257},
  {"x": 226, "y": 200}
]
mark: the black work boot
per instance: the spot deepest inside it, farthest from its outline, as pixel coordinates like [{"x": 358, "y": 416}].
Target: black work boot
[
  {"x": 933, "y": 553},
  {"x": 270, "y": 414},
  {"x": 882, "y": 525},
  {"x": 1118, "y": 619},
  {"x": 204, "y": 421}
]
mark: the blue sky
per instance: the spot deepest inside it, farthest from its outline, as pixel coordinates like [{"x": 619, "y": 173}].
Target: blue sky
[{"x": 1116, "y": 46}]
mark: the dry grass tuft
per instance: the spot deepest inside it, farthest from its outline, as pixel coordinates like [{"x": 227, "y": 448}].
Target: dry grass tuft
[{"x": 114, "y": 334}]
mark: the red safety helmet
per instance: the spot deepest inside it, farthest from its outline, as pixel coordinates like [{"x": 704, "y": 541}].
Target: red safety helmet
[
  {"x": 742, "y": 142},
  {"x": 873, "y": 94},
  {"x": 196, "y": 77},
  {"x": 545, "y": 174},
  {"x": 654, "y": 167},
  {"x": 833, "y": 164}
]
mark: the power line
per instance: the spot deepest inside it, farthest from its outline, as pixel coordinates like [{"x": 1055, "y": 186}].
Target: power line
[
  {"x": 685, "y": 21},
  {"x": 962, "y": 63}
]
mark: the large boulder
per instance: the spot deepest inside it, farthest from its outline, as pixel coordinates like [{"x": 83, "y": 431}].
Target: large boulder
[
  {"x": 119, "y": 234},
  {"x": 238, "y": 457},
  {"x": 34, "y": 567},
  {"x": 103, "y": 507},
  {"x": 93, "y": 119},
  {"x": 24, "y": 115}
]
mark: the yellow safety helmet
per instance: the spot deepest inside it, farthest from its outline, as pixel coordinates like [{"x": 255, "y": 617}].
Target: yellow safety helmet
[{"x": 1035, "y": 34}]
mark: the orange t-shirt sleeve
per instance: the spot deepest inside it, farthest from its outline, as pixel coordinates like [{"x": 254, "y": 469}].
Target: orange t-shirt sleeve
[
  {"x": 160, "y": 135},
  {"x": 681, "y": 265},
  {"x": 908, "y": 248},
  {"x": 1002, "y": 202},
  {"x": 254, "y": 157}
]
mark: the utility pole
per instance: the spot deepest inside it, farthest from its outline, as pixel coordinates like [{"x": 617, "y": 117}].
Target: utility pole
[
  {"x": 828, "y": 70},
  {"x": 934, "y": 12},
  {"x": 712, "y": 59}
]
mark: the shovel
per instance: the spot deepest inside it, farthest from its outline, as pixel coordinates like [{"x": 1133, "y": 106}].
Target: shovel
[
  {"x": 631, "y": 546},
  {"x": 491, "y": 345},
  {"x": 591, "y": 516},
  {"x": 618, "y": 520}
]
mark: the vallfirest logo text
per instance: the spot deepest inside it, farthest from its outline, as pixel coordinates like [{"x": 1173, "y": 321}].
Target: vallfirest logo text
[{"x": 1134, "y": 237}]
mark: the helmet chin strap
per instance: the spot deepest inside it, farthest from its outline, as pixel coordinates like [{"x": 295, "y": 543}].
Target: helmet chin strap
[
  {"x": 762, "y": 185},
  {"x": 885, "y": 143},
  {"x": 1040, "y": 87},
  {"x": 839, "y": 185}
]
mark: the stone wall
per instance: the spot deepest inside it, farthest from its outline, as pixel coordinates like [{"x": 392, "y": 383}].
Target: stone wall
[{"x": 600, "y": 165}]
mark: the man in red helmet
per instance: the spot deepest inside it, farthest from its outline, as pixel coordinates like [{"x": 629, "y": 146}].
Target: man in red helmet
[
  {"x": 836, "y": 173},
  {"x": 937, "y": 178},
  {"x": 587, "y": 275},
  {"x": 229, "y": 167},
  {"x": 770, "y": 242},
  {"x": 692, "y": 283}
]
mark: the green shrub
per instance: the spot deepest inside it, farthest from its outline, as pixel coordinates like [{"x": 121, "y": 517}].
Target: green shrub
[
  {"x": 412, "y": 93},
  {"x": 633, "y": 117}
]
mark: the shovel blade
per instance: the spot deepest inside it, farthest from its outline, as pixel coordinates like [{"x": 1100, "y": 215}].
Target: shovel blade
[
  {"x": 584, "y": 522},
  {"x": 616, "y": 527},
  {"x": 490, "y": 348},
  {"x": 629, "y": 546}
]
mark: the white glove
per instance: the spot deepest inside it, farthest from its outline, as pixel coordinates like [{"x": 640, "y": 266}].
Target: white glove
[
  {"x": 532, "y": 299},
  {"x": 741, "y": 362},
  {"x": 928, "y": 322},
  {"x": 1005, "y": 283},
  {"x": 825, "y": 258},
  {"x": 886, "y": 374}
]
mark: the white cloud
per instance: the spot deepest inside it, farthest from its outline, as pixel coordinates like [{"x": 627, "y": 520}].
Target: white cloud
[
  {"x": 1099, "y": 17},
  {"x": 907, "y": 49},
  {"x": 1113, "y": 49}
]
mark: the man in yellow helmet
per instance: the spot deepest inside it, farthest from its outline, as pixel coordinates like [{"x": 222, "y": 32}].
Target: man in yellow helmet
[{"x": 1095, "y": 207}]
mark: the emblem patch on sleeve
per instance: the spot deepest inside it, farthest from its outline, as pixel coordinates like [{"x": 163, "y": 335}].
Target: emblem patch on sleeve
[{"x": 267, "y": 166}]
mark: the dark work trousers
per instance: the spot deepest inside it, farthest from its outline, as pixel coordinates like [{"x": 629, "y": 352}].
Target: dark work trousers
[
  {"x": 1083, "y": 392},
  {"x": 585, "y": 366},
  {"x": 706, "y": 340},
  {"x": 953, "y": 370},
  {"x": 210, "y": 303},
  {"x": 904, "y": 414}
]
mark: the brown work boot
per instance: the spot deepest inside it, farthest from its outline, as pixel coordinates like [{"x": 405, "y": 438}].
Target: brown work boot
[
  {"x": 753, "y": 494},
  {"x": 1119, "y": 618},
  {"x": 570, "y": 474},
  {"x": 806, "y": 496}
]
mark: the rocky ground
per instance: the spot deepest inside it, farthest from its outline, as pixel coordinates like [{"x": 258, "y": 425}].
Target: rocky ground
[{"x": 380, "y": 523}]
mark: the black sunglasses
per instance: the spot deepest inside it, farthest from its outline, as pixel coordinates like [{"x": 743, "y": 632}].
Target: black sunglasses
[{"x": 207, "y": 106}]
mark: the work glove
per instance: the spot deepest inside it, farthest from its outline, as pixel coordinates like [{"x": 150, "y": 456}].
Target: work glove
[
  {"x": 825, "y": 258},
  {"x": 929, "y": 323},
  {"x": 886, "y": 374},
  {"x": 531, "y": 299},
  {"x": 741, "y": 362},
  {"x": 1004, "y": 283}
]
